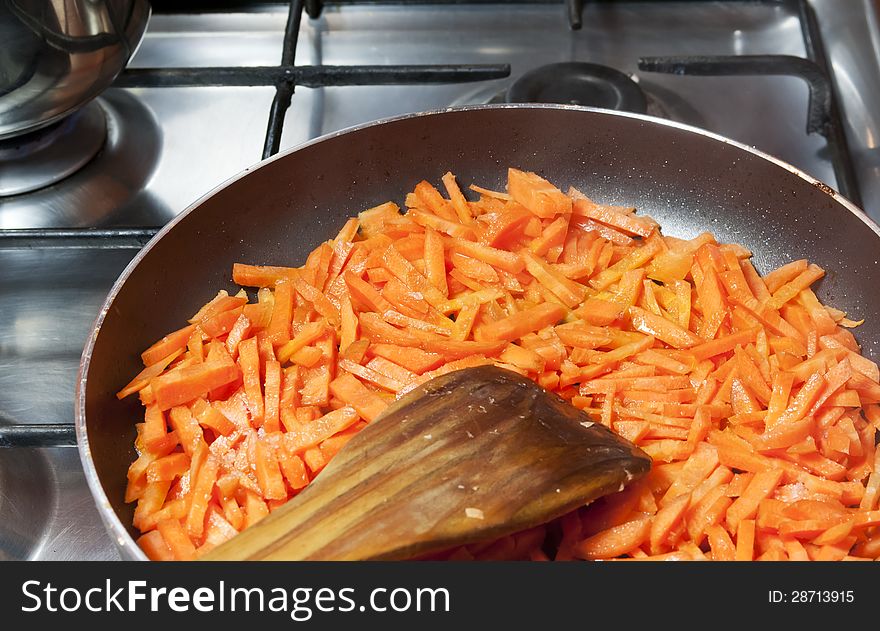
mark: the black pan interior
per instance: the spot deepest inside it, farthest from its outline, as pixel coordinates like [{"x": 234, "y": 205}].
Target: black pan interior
[{"x": 280, "y": 211}]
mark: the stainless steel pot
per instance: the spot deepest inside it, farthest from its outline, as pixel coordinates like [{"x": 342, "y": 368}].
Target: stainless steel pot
[{"x": 57, "y": 55}]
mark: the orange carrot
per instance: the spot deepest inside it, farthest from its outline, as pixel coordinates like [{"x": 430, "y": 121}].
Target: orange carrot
[
  {"x": 249, "y": 363},
  {"x": 615, "y": 541},
  {"x": 201, "y": 494},
  {"x": 746, "y": 505},
  {"x": 166, "y": 346},
  {"x": 268, "y": 472},
  {"x": 176, "y": 539},
  {"x": 321, "y": 429},
  {"x": 272, "y": 393},
  {"x": 720, "y": 544},
  {"x": 515, "y": 326},
  {"x": 282, "y": 312},
  {"x": 745, "y": 540},
  {"x": 751, "y": 396},
  {"x": 537, "y": 194}
]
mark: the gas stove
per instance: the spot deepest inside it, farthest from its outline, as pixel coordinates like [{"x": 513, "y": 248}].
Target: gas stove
[{"x": 204, "y": 98}]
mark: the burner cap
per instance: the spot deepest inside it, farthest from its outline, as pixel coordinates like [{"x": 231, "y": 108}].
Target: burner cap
[
  {"x": 40, "y": 158},
  {"x": 578, "y": 83}
]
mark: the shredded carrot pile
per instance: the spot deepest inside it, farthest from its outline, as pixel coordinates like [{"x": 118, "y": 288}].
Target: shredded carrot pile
[{"x": 751, "y": 397}]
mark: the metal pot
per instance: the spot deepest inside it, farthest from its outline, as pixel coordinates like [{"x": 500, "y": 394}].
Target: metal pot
[{"x": 57, "y": 55}]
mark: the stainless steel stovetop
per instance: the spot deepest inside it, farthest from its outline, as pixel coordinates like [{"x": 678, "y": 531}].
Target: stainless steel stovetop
[{"x": 168, "y": 146}]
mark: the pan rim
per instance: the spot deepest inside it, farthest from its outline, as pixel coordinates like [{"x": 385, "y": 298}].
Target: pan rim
[{"x": 118, "y": 532}]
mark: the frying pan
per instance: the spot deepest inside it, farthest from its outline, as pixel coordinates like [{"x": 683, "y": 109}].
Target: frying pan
[{"x": 276, "y": 212}]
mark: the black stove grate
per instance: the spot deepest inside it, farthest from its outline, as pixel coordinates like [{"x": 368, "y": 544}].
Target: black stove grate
[{"x": 824, "y": 118}]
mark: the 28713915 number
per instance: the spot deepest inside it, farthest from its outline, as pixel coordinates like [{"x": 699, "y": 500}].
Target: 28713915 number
[{"x": 812, "y": 596}]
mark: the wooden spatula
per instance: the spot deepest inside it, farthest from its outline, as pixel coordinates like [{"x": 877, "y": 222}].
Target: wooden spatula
[{"x": 469, "y": 456}]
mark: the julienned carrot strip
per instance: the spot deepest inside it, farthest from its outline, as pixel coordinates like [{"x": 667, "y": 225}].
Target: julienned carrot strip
[
  {"x": 569, "y": 292},
  {"x": 187, "y": 429},
  {"x": 249, "y": 363},
  {"x": 390, "y": 369},
  {"x": 282, "y": 312},
  {"x": 166, "y": 346},
  {"x": 615, "y": 541},
  {"x": 167, "y": 468},
  {"x": 260, "y": 275},
  {"x": 307, "y": 335},
  {"x": 201, "y": 495},
  {"x": 459, "y": 203},
  {"x": 778, "y": 277},
  {"x": 218, "y": 304},
  {"x": 515, "y": 326},
  {"x": 272, "y": 394},
  {"x": 321, "y": 429},
  {"x": 177, "y": 540},
  {"x": 746, "y": 505},
  {"x": 432, "y": 200},
  {"x": 208, "y": 416},
  {"x": 720, "y": 544},
  {"x": 154, "y": 546},
  {"x": 435, "y": 261},
  {"x": 736, "y": 373},
  {"x": 661, "y": 328},
  {"x": 147, "y": 374},
  {"x": 352, "y": 392},
  {"x": 268, "y": 472},
  {"x": 722, "y": 345},
  {"x": 665, "y": 520},
  {"x": 537, "y": 194},
  {"x": 293, "y": 468},
  {"x": 608, "y": 215},
  {"x": 155, "y": 431},
  {"x": 413, "y": 359},
  {"x": 318, "y": 300},
  {"x": 745, "y": 541}
]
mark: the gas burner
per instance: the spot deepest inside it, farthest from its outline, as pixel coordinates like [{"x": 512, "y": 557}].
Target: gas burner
[
  {"x": 578, "y": 83},
  {"x": 109, "y": 182},
  {"x": 37, "y": 159}
]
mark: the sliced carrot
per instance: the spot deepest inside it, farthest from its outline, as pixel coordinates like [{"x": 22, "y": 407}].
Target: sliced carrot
[
  {"x": 201, "y": 494},
  {"x": 282, "y": 312},
  {"x": 665, "y": 519},
  {"x": 167, "y": 468},
  {"x": 745, "y": 540},
  {"x": 746, "y": 505},
  {"x": 661, "y": 328},
  {"x": 187, "y": 429},
  {"x": 268, "y": 472},
  {"x": 293, "y": 468},
  {"x": 260, "y": 275},
  {"x": 610, "y": 216},
  {"x": 515, "y": 326},
  {"x": 221, "y": 303},
  {"x": 615, "y": 541},
  {"x": 750, "y": 395},
  {"x": 154, "y": 546},
  {"x": 722, "y": 345},
  {"x": 168, "y": 345},
  {"x": 321, "y": 429},
  {"x": 720, "y": 544},
  {"x": 249, "y": 363},
  {"x": 177, "y": 540},
  {"x": 537, "y": 194},
  {"x": 272, "y": 394}
]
